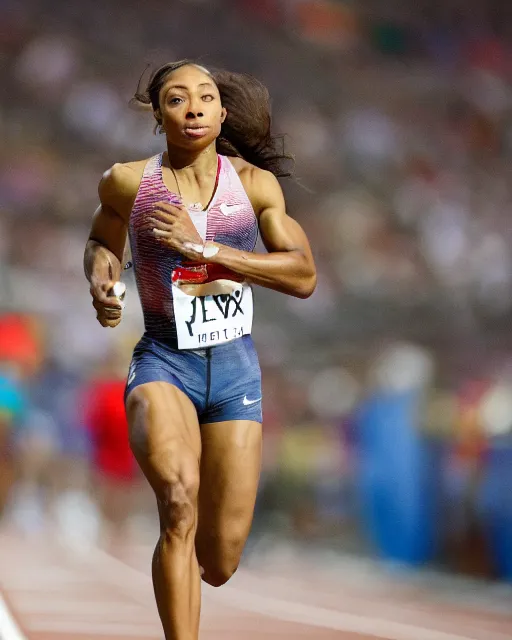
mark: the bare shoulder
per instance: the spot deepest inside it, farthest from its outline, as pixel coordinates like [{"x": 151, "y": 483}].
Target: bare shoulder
[
  {"x": 119, "y": 185},
  {"x": 123, "y": 177},
  {"x": 261, "y": 186}
]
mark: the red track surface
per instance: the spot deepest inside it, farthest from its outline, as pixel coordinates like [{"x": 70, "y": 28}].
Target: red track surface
[{"x": 54, "y": 594}]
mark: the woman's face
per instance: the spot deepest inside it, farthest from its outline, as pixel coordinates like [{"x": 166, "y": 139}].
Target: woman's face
[{"x": 190, "y": 111}]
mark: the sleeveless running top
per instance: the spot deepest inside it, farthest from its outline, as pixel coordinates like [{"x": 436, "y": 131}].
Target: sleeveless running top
[{"x": 229, "y": 219}]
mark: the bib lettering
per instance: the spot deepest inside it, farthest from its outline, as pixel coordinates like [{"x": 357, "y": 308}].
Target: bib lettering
[{"x": 205, "y": 321}]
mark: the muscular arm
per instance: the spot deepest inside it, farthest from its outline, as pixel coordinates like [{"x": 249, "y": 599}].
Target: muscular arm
[
  {"x": 102, "y": 259},
  {"x": 289, "y": 266},
  {"x": 105, "y": 247}
]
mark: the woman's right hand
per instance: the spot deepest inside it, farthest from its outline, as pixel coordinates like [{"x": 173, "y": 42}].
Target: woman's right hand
[{"x": 109, "y": 307}]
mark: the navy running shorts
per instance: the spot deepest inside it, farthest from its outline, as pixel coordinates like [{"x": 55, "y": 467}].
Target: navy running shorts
[{"x": 223, "y": 382}]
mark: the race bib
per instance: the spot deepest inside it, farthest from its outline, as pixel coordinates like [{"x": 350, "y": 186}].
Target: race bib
[{"x": 205, "y": 321}]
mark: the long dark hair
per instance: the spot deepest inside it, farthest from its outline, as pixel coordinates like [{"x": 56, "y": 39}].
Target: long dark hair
[{"x": 246, "y": 132}]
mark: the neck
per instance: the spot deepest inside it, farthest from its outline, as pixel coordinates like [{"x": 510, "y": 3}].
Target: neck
[{"x": 201, "y": 162}]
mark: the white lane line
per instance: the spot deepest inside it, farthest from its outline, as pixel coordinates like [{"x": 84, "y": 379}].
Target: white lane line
[
  {"x": 418, "y": 610},
  {"x": 91, "y": 628},
  {"x": 9, "y": 630},
  {"x": 298, "y": 613},
  {"x": 40, "y": 604},
  {"x": 340, "y": 621}
]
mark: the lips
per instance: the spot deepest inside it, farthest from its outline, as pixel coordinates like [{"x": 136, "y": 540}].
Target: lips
[{"x": 196, "y": 131}]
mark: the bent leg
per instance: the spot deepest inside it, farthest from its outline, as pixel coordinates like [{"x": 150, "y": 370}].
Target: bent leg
[
  {"x": 230, "y": 470},
  {"x": 165, "y": 439}
]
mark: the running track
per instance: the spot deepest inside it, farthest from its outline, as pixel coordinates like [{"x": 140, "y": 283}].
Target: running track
[{"x": 50, "y": 593}]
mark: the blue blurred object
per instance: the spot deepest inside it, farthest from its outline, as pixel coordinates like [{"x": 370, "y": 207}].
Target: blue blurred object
[
  {"x": 495, "y": 504},
  {"x": 12, "y": 399},
  {"x": 398, "y": 485},
  {"x": 57, "y": 391}
]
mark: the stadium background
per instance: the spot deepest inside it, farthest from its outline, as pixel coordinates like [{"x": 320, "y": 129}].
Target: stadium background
[{"x": 388, "y": 394}]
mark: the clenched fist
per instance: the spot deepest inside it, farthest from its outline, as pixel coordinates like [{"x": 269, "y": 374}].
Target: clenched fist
[{"x": 108, "y": 300}]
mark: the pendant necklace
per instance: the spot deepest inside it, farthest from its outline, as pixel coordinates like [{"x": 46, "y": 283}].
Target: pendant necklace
[{"x": 194, "y": 206}]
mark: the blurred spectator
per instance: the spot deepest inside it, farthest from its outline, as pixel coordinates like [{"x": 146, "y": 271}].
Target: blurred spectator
[
  {"x": 12, "y": 408},
  {"x": 114, "y": 472}
]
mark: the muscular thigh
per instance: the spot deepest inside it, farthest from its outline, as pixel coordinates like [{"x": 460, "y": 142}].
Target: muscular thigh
[
  {"x": 163, "y": 431},
  {"x": 230, "y": 469}
]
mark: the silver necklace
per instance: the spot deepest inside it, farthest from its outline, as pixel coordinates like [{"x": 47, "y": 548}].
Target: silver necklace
[{"x": 194, "y": 206}]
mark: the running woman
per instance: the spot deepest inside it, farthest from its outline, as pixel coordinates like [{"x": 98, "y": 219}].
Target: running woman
[{"x": 193, "y": 395}]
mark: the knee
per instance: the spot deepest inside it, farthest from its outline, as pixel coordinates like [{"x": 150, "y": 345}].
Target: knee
[
  {"x": 219, "y": 575},
  {"x": 177, "y": 505},
  {"x": 219, "y": 565}
]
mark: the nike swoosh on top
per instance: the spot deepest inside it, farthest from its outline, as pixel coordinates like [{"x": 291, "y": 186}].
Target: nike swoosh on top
[
  {"x": 230, "y": 209},
  {"x": 248, "y": 402}
]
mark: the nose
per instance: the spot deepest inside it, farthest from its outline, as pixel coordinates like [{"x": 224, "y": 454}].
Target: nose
[
  {"x": 194, "y": 109},
  {"x": 192, "y": 114}
]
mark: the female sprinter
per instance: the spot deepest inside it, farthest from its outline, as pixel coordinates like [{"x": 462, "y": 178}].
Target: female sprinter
[{"x": 193, "y": 396}]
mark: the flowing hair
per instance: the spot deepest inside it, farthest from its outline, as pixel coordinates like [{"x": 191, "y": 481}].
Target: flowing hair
[{"x": 246, "y": 132}]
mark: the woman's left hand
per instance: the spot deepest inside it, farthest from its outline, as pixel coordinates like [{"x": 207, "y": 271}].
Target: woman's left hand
[{"x": 172, "y": 226}]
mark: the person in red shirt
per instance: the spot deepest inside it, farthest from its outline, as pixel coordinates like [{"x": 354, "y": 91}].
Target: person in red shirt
[{"x": 108, "y": 428}]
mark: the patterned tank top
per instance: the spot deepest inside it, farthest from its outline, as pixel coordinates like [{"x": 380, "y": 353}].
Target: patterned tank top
[{"x": 229, "y": 220}]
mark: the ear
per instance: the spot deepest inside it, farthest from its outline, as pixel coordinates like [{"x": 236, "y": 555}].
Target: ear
[
  {"x": 223, "y": 115},
  {"x": 158, "y": 115}
]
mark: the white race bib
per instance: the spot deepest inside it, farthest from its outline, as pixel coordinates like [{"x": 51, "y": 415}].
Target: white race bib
[{"x": 205, "y": 321}]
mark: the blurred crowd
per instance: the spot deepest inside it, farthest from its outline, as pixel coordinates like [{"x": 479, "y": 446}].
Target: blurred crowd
[{"x": 396, "y": 373}]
